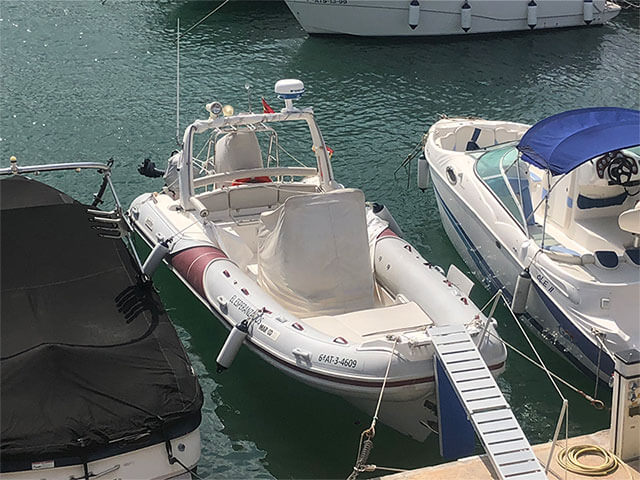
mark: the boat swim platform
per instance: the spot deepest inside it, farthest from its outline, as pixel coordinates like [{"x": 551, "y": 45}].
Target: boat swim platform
[{"x": 479, "y": 467}]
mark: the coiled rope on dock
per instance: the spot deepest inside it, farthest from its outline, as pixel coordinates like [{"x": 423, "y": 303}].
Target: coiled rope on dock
[{"x": 569, "y": 459}]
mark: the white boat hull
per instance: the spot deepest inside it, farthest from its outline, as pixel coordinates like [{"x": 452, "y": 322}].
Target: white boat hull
[
  {"x": 149, "y": 462},
  {"x": 496, "y": 268},
  {"x": 584, "y": 310},
  {"x": 441, "y": 17},
  {"x": 358, "y": 370}
]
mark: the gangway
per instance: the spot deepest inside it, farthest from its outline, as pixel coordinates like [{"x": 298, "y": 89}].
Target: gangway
[{"x": 488, "y": 411}]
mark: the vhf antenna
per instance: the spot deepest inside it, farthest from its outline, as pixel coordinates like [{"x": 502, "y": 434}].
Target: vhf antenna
[
  {"x": 247, "y": 87},
  {"x": 178, "y": 84}
]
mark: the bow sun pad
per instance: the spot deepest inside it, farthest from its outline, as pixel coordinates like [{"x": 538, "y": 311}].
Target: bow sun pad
[{"x": 565, "y": 141}]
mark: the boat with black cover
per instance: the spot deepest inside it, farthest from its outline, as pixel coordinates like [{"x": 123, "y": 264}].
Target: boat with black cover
[{"x": 94, "y": 379}]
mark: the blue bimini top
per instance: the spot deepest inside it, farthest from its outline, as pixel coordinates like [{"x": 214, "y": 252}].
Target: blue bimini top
[{"x": 565, "y": 141}]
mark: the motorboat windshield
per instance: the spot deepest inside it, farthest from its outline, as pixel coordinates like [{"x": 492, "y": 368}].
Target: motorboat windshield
[{"x": 508, "y": 178}]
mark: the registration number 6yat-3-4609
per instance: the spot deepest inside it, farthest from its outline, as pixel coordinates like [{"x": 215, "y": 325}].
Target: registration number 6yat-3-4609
[{"x": 335, "y": 360}]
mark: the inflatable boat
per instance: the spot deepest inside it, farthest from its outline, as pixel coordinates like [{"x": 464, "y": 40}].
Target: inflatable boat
[{"x": 302, "y": 270}]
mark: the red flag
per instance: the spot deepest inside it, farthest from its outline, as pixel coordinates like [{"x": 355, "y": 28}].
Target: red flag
[{"x": 266, "y": 108}]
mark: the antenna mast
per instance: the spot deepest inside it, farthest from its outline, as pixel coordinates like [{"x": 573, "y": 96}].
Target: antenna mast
[{"x": 178, "y": 83}]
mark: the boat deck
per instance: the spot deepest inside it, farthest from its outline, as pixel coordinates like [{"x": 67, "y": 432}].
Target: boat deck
[{"x": 479, "y": 467}]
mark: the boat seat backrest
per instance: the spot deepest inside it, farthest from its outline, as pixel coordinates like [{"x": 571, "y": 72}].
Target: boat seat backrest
[
  {"x": 251, "y": 197},
  {"x": 313, "y": 254},
  {"x": 215, "y": 201},
  {"x": 594, "y": 197},
  {"x": 504, "y": 135},
  {"x": 289, "y": 190},
  {"x": 448, "y": 141},
  {"x": 467, "y": 134},
  {"x": 237, "y": 151}
]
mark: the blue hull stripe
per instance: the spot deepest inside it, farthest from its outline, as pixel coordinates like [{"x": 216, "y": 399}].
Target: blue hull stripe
[{"x": 588, "y": 348}]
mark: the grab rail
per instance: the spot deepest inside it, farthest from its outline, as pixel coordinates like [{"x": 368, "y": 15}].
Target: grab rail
[
  {"x": 17, "y": 169},
  {"x": 255, "y": 172}
]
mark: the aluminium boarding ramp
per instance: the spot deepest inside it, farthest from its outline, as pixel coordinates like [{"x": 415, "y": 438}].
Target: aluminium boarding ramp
[{"x": 486, "y": 407}]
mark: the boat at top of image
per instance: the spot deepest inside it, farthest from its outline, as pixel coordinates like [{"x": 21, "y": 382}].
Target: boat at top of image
[
  {"x": 551, "y": 213},
  {"x": 382, "y": 18},
  {"x": 95, "y": 381},
  {"x": 302, "y": 269}
]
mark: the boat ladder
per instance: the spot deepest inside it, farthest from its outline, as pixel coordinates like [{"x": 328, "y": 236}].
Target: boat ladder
[{"x": 493, "y": 421}]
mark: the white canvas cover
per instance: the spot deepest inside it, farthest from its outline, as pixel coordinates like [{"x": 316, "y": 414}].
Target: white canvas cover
[
  {"x": 237, "y": 151},
  {"x": 313, "y": 254}
]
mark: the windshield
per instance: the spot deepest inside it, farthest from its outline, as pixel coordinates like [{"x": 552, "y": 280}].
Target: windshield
[{"x": 508, "y": 178}]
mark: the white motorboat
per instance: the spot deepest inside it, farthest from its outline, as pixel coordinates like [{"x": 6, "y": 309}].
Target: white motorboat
[
  {"x": 95, "y": 382},
  {"x": 300, "y": 268},
  {"x": 383, "y": 18},
  {"x": 555, "y": 203}
]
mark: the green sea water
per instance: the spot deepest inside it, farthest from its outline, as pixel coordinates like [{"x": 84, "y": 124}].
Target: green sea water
[{"x": 83, "y": 80}]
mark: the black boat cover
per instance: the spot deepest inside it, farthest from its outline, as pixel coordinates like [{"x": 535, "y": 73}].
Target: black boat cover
[{"x": 90, "y": 364}]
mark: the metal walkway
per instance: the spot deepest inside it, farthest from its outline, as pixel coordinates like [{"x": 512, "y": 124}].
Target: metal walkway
[{"x": 491, "y": 416}]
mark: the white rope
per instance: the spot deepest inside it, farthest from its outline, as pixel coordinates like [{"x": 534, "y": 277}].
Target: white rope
[
  {"x": 204, "y": 18},
  {"x": 598, "y": 404},
  {"x": 384, "y": 384},
  {"x": 371, "y": 431},
  {"x": 542, "y": 365},
  {"x": 291, "y": 156}
]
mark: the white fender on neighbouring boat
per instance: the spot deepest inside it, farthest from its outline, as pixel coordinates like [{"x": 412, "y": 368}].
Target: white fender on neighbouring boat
[
  {"x": 521, "y": 292},
  {"x": 414, "y": 14},
  {"x": 465, "y": 16},
  {"x": 588, "y": 11},
  {"x": 532, "y": 14},
  {"x": 423, "y": 173}
]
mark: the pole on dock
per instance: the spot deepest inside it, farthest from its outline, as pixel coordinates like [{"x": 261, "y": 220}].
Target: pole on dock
[{"x": 625, "y": 406}]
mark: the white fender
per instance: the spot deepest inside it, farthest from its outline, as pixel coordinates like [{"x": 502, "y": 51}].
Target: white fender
[
  {"x": 587, "y": 7},
  {"x": 155, "y": 258},
  {"x": 383, "y": 213},
  {"x": 414, "y": 14},
  {"x": 232, "y": 345},
  {"x": 532, "y": 14},
  {"x": 465, "y": 16},
  {"x": 423, "y": 173},
  {"x": 521, "y": 292}
]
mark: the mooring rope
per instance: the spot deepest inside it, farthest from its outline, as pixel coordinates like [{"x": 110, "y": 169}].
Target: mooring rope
[
  {"x": 569, "y": 459},
  {"x": 597, "y": 404},
  {"x": 366, "y": 437},
  {"x": 203, "y": 19},
  {"x": 628, "y": 4}
]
